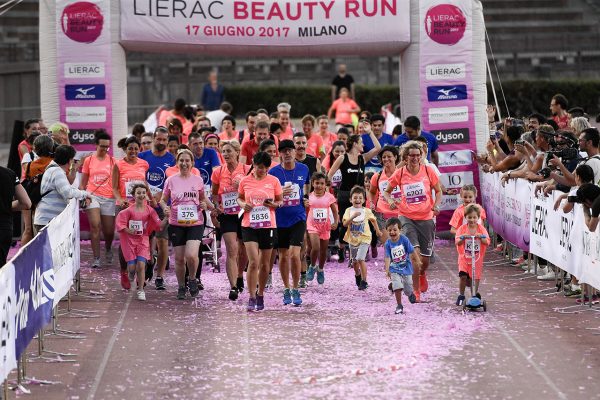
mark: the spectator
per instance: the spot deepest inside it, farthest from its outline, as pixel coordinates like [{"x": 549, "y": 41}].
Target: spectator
[
  {"x": 509, "y": 161},
  {"x": 579, "y": 124},
  {"x": 56, "y": 184},
  {"x": 30, "y": 126},
  {"x": 59, "y": 133},
  {"x": 216, "y": 116},
  {"x": 558, "y": 107},
  {"x": 535, "y": 120},
  {"x": 12, "y": 198},
  {"x": 412, "y": 130},
  {"x": 342, "y": 80},
  {"x": 589, "y": 197},
  {"x": 344, "y": 108},
  {"x": 589, "y": 141},
  {"x": 213, "y": 94}
]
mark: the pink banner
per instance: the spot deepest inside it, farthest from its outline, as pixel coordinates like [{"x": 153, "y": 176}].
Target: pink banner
[
  {"x": 447, "y": 101},
  {"x": 83, "y": 67}
]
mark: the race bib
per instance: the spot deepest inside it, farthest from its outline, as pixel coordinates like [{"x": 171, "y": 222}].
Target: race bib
[
  {"x": 336, "y": 179},
  {"x": 320, "y": 215},
  {"x": 260, "y": 217},
  {"x": 137, "y": 227},
  {"x": 471, "y": 248},
  {"x": 414, "y": 193},
  {"x": 230, "y": 204},
  {"x": 398, "y": 254},
  {"x": 187, "y": 214},
  {"x": 294, "y": 198},
  {"x": 396, "y": 194}
]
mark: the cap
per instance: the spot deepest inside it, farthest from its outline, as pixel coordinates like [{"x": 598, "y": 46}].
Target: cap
[{"x": 286, "y": 144}]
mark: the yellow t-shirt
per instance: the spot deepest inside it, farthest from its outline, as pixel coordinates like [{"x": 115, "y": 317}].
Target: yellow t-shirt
[{"x": 358, "y": 231}]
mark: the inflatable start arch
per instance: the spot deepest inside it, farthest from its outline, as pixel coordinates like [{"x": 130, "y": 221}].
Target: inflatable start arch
[{"x": 441, "y": 46}]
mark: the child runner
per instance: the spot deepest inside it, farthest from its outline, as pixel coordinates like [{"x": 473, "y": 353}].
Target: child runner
[
  {"x": 358, "y": 235},
  {"x": 464, "y": 246},
  {"x": 135, "y": 224},
  {"x": 319, "y": 225},
  {"x": 398, "y": 265},
  {"x": 468, "y": 194}
]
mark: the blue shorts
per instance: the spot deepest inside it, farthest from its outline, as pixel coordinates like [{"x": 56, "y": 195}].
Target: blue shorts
[{"x": 137, "y": 259}]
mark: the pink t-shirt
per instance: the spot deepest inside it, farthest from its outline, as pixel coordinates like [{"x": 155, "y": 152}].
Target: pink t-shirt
[
  {"x": 416, "y": 202},
  {"x": 144, "y": 223},
  {"x": 255, "y": 192},
  {"x": 382, "y": 206},
  {"x": 314, "y": 146},
  {"x": 458, "y": 217},
  {"x": 328, "y": 141},
  {"x": 186, "y": 195},
  {"x": 465, "y": 253},
  {"x": 318, "y": 214},
  {"x": 343, "y": 115},
  {"x": 130, "y": 174},
  {"x": 99, "y": 175}
]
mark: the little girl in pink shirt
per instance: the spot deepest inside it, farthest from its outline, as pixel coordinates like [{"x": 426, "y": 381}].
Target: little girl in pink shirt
[
  {"x": 318, "y": 224},
  {"x": 135, "y": 224}
]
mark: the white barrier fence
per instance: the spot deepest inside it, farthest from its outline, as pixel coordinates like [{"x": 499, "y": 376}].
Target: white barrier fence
[
  {"x": 34, "y": 281},
  {"x": 561, "y": 238}
]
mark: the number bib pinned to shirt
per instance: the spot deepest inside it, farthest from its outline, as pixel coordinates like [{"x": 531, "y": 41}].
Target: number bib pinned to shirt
[
  {"x": 398, "y": 254},
  {"x": 137, "y": 227},
  {"x": 336, "y": 179},
  {"x": 294, "y": 198},
  {"x": 470, "y": 247},
  {"x": 260, "y": 217},
  {"x": 320, "y": 215},
  {"x": 230, "y": 204},
  {"x": 187, "y": 214},
  {"x": 414, "y": 193},
  {"x": 396, "y": 193}
]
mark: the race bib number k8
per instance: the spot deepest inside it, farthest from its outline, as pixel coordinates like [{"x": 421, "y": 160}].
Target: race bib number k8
[
  {"x": 260, "y": 217},
  {"x": 230, "y": 204},
  {"x": 471, "y": 248},
  {"x": 414, "y": 193},
  {"x": 187, "y": 214}
]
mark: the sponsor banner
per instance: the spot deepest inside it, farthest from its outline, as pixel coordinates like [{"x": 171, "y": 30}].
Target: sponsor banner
[
  {"x": 34, "y": 289},
  {"x": 448, "y": 115},
  {"x": 452, "y": 136},
  {"x": 84, "y": 59},
  {"x": 453, "y": 180},
  {"x": 8, "y": 303},
  {"x": 63, "y": 233},
  {"x": 82, "y": 136},
  {"x": 445, "y": 72},
  {"x": 85, "y": 92},
  {"x": 456, "y": 158},
  {"x": 447, "y": 93},
  {"x": 266, "y": 22}
]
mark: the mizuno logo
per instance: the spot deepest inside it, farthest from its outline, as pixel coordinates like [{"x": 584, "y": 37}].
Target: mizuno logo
[
  {"x": 446, "y": 92},
  {"x": 85, "y": 91}
]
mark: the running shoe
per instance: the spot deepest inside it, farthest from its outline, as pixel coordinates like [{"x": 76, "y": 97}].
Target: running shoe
[
  {"x": 149, "y": 271},
  {"x": 399, "y": 309},
  {"x": 296, "y": 297},
  {"x": 239, "y": 284},
  {"x": 460, "y": 300},
  {"x": 108, "y": 256},
  {"x": 233, "y": 294},
  {"x": 287, "y": 296},
  {"x": 310, "y": 273},
  {"x": 363, "y": 285},
  {"x": 573, "y": 292},
  {"x": 423, "y": 284},
  {"x": 260, "y": 303},
  {"x": 417, "y": 296},
  {"x": 269, "y": 281},
  {"x": 159, "y": 283},
  {"x": 374, "y": 252},
  {"x": 96, "y": 262},
  {"x": 141, "y": 295},
  {"x": 412, "y": 298},
  {"x": 499, "y": 247},
  {"x": 478, "y": 295},
  {"x": 548, "y": 276},
  {"x": 320, "y": 277},
  {"x": 358, "y": 279},
  {"x": 194, "y": 289},
  {"x": 200, "y": 285},
  {"x": 390, "y": 287},
  {"x": 125, "y": 282},
  {"x": 334, "y": 254},
  {"x": 251, "y": 304},
  {"x": 302, "y": 283},
  {"x": 341, "y": 255},
  {"x": 181, "y": 293}
]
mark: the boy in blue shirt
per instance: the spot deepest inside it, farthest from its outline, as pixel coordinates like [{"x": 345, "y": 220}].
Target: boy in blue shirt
[{"x": 399, "y": 259}]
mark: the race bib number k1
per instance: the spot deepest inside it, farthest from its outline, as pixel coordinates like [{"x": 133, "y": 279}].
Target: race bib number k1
[{"x": 320, "y": 215}]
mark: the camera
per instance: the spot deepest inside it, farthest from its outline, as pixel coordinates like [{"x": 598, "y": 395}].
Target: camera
[
  {"x": 545, "y": 172},
  {"x": 519, "y": 142},
  {"x": 82, "y": 204}
]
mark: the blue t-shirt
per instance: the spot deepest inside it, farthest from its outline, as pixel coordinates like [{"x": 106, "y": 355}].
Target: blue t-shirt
[
  {"x": 292, "y": 210},
  {"x": 158, "y": 166},
  {"x": 211, "y": 100},
  {"x": 206, "y": 163},
  {"x": 368, "y": 146},
  {"x": 398, "y": 252},
  {"x": 432, "y": 144}
]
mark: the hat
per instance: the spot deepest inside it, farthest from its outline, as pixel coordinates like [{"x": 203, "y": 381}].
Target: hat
[{"x": 286, "y": 144}]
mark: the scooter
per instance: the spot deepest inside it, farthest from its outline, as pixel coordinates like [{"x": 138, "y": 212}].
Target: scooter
[{"x": 474, "y": 303}]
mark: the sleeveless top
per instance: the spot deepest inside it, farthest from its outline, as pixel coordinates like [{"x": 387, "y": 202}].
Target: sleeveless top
[{"x": 352, "y": 174}]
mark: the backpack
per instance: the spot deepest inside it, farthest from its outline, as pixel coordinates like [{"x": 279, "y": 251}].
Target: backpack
[{"x": 33, "y": 186}]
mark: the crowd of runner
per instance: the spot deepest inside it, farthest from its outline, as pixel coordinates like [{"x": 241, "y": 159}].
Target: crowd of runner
[{"x": 297, "y": 197}]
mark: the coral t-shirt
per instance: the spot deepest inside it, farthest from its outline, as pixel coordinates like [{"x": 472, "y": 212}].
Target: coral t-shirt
[
  {"x": 465, "y": 257},
  {"x": 315, "y": 146},
  {"x": 224, "y": 136},
  {"x": 288, "y": 134},
  {"x": 318, "y": 219},
  {"x": 416, "y": 202},
  {"x": 228, "y": 182},
  {"x": 255, "y": 192},
  {"x": 381, "y": 185},
  {"x": 130, "y": 174},
  {"x": 185, "y": 195},
  {"x": 328, "y": 141},
  {"x": 343, "y": 115},
  {"x": 458, "y": 217},
  {"x": 99, "y": 175}
]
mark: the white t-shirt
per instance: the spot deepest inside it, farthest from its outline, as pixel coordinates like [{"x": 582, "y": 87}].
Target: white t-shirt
[
  {"x": 216, "y": 118},
  {"x": 594, "y": 163},
  {"x": 27, "y": 158}
]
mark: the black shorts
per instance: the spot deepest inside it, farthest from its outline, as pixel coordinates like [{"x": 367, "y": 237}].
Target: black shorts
[
  {"x": 179, "y": 235},
  {"x": 292, "y": 236},
  {"x": 230, "y": 223},
  {"x": 265, "y": 237}
]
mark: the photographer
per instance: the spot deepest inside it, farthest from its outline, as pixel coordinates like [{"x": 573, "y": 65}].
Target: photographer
[{"x": 589, "y": 140}]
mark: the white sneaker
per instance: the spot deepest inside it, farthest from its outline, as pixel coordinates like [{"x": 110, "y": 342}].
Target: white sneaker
[
  {"x": 549, "y": 276},
  {"x": 96, "y": 262},
  {"x": 141, "y": 295},
  {"x": 542, "y": 271},
  {"x": 109, "y": 257},
  {"x": 334, "y": 257}
]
